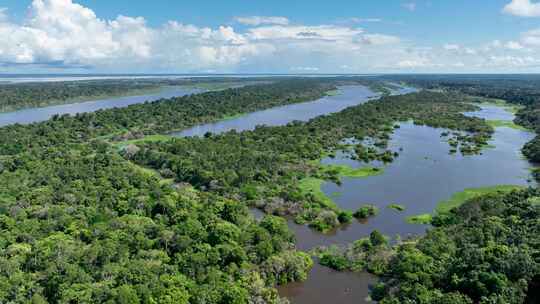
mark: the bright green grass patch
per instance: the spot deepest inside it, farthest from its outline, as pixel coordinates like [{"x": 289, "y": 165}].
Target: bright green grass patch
[
  {"x": 348, "y": 171},
  {"x": 535, "y": 201},
  {"x": 512, "y": 108},
  {"x": 505, "y": 123},
  {"x": 424, "y": 219},
  {"x": 457, "y": 200},
  {"x": 234, "y": 116},
  {"x": 397, "y": 207},
  {"x": 148, "y": 138},
  {"x": 152, "y": 173},
  {"x": 333, "y": 93},
  {"x": 461, "y": 197},
  {"x": 313, "y": 185}
]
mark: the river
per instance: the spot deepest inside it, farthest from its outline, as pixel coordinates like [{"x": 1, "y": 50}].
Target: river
[
  {"x": 350, "y": 95},
  {"x": 31, "y": 115}
]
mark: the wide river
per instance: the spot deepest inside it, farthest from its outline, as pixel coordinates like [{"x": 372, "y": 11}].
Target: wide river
[
  {"x": 424, "y": 174},
  {"x": 31, "y": 115}
]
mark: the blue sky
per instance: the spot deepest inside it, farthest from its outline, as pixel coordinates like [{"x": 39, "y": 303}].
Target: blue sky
[{"x": 272, "y": 36}]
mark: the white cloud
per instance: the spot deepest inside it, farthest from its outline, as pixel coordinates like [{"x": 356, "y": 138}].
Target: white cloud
[
  {"x": 416, "y": 63},
  {"x": 258, "y": 20},
  {"x": 63, "y": 34},
  {"x": 514, "y": 45},
  {"x": 379, "y": 39},
  {"x": 319, "y": 32},
  {"x": 410, "y": 6},
  {"x": 509, "y": 61},
  {"x": 523, "y": 8},
  {"x": 531, "y": 38},
  {"x": 451, "y": 47}
]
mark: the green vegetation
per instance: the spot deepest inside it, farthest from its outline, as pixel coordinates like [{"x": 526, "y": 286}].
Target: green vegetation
[
  {"x": 366, "y": 211},
  {"x": 145, "y": 139},
  {"x": 98, "y": 207},
  {"x": 40, "y": 94},
  {"x": 485, "y": 251},
  {"x": 277, "y": 169},
  {"x": 369, "y": 254},
  {"x": 30, "y": 95},
  {"x": 397, "y": 207},
  {"x": 506, "y": 123},
  {"x": 158, "y": 117},
  {"x": 333, "y": 93},
  {"x": 84, "y": 225},
  {"x": 312, "y": 186},
  {"x": 348, "y": 171},
  {"x": 459, "y": 198},
  {"x": 231, "y": 117},
  {"x": 424, "y": 219}
]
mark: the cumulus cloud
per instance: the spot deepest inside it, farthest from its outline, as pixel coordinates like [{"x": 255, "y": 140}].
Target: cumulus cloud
[
  {"x": 60, "y": 32},
  {"x": 258, "y": 20},
  {"x": 523, "y": 8},
  {"x": 379, "y": 39},
  {"x": 63, "y": 34},
  {"x": 531, "y": 38}
]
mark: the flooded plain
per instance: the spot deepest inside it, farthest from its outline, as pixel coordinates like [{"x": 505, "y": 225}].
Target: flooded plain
[{"x": 423, "y": 175}]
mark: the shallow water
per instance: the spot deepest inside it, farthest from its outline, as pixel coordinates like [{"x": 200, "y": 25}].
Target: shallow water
[
  {"x": 31, "y": 115},
  {"x": 278, "y": 116}
]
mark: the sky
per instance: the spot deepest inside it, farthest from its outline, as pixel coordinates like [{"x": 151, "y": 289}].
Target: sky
[{"x": 293, "y": 36}]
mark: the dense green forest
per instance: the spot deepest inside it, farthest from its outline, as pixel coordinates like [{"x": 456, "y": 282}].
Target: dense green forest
[
  {"x": 18, "y": 96},
  {"x": 80, "y": 224},
  {"x": 92, "y": 211}
]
